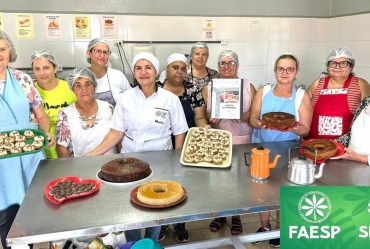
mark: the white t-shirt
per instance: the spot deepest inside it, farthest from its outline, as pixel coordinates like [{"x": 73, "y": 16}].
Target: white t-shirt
[
  {"x": 148, "y": 122},
  {"x": 114, "y": 81}
]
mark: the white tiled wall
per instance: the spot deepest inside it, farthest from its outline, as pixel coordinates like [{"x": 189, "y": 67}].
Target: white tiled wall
[{"x": 257, "y": 41}]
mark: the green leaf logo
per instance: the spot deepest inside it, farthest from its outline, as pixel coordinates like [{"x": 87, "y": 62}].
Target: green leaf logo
[{"x": 314, "y": 207}]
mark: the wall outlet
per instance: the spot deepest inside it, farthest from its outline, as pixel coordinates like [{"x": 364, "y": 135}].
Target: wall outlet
[
  {"x": 60, "y": 68},
  {"x": 223, "y": 42}
]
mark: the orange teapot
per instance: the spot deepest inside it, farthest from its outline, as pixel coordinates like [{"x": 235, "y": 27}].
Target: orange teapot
[{"x": 260, "y": 166}]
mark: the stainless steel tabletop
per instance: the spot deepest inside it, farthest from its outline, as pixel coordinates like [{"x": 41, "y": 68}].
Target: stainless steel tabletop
[{"x": 211, "y": 192}]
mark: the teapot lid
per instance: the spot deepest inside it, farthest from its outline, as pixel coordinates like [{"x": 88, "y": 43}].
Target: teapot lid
[
  {"x": 260, "y": 150},
  {"x": 302, "y": 161}
]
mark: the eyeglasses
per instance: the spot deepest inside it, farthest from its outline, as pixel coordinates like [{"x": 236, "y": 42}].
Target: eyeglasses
[
  {"x": 288, "y": 70},
  {"x": 104, "y": 52},
  {"x": 230, "y": 63},
  {"x": 342, "y": 64}
]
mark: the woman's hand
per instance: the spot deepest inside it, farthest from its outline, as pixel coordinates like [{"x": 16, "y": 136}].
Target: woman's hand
[
  {"x": 215, "y": 120},
  {"x": 353, "y": 156},
  {"x": 207, "y": 126},
  {"x": 51, "y": 140}
]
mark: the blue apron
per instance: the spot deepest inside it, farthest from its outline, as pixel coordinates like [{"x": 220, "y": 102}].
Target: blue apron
[
  {"x": 272, "y": 103},
  {"x": 16, "y": 172}
]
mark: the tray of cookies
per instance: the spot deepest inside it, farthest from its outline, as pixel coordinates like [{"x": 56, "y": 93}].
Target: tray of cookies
[
  {"x": 207, "y": 148},
  {"x": 70, "y": 187},
  {"x": 22, "y": 142}
]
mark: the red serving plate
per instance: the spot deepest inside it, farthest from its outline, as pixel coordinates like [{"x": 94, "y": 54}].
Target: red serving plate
[
  {"x": 340, "y": 151},
  {"x": 296, "y": 123},
  {"x": 75, "y": 179},
  {"x": 133, "y": 197}
]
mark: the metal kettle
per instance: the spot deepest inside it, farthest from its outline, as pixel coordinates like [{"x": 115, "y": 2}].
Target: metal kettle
[
  {"x": 302, "y": 171},
  {"x": 260, "y": 165}
]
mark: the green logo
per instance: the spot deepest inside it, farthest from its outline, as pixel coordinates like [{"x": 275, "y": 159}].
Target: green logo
[{"x": 314, "y": 207}]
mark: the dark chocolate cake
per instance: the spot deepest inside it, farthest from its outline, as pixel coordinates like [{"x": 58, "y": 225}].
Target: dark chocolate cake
[{"x": 124, "y": 170}]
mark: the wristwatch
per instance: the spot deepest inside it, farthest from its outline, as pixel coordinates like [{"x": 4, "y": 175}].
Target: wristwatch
[{"x": 368, "y": 160}]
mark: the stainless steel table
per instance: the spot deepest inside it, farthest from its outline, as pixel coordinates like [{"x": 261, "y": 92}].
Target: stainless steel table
[{"x": 211, "y": 193}]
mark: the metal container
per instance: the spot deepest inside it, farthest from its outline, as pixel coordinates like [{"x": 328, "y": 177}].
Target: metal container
[{"x": 302, "y": 171}]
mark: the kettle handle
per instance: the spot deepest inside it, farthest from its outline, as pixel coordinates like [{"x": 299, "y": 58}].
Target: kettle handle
[
  {"x": 245, "y": 158},
  {"x": 306, "y": 148}
]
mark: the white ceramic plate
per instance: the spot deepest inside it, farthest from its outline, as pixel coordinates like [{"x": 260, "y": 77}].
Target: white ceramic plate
[{"x": 124, "y": 184}]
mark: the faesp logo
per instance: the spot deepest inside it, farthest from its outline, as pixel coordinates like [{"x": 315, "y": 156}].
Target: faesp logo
[{"x": 314, "y": 207}]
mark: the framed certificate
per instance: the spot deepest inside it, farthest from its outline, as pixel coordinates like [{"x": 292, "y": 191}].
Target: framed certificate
[{"x": 227, "y": 98}]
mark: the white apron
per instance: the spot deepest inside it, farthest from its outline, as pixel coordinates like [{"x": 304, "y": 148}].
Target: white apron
[{"x": 84, "y": 141}]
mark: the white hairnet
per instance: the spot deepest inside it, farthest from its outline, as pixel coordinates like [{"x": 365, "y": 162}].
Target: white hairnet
[
  {"x": 342, "y": 52},
  {"x": 228, "y": 53},
  {"x": 172, "y": 58},
  {"x": 81, "y": 72},
  {"x": 146, "y": 56},
  {"x": 44, "y": 54},
  {"x": 13, "y": 52},
  {"x": 177, "y": 57},
  {"x": 287, "y": 56},
  {"x": 92, "y": 44},
  {"x": 198, "y": 45}
]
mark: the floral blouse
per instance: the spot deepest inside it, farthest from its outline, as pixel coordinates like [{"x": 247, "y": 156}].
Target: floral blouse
[
  {"x": 345, "y": 139},
  {"x": 191, "y": 92},
  {"x": 200, "y": 83},
  {"x": 63, "y": 132},
  {"x": 29, "y": 89}
]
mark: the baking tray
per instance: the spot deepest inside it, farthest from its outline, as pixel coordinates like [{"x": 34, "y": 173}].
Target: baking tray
[
  {"x": 226, "y": 163},
  {"x": 28, "y": 141}
]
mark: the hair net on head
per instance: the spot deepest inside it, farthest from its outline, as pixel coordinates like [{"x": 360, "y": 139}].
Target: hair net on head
[
  {"x": 287, "y": 56},
  {"x": 92, "y": 44},
  {"x": 228, "y": 53},
  {"x": 341, "y": 52},
  {"x": 81, "y": 72},
  {"x": 44, "y": 54},
  {"x": 13, "y": 52},
  {"x": 176, "y": 57},
  {"x": 198, "y": 45},
  {"x": 146, "y": 56}
]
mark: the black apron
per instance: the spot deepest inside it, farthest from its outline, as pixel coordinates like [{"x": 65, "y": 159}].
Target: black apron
[{"x": 189, "y": 114}]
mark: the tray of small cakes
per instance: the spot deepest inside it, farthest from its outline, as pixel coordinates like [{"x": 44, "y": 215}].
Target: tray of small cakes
[
  {"x": 207, "y": 148},
  {"x": 22, "y": 142},
  {"x": 70, "y": 187}
]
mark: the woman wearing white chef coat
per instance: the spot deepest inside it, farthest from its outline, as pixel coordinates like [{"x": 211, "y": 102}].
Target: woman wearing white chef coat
[{"x": 144, "y": 118}]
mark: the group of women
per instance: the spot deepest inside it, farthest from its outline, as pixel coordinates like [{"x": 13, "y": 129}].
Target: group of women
[{"x": 97, "y": 112}]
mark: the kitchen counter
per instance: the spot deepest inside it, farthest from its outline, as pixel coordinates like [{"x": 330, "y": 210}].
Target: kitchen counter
[{"x": 212, "y": 192}]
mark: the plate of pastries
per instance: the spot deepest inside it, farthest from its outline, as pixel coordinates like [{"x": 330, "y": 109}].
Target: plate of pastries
[
  {"x": 280, "y": 121},
  {"x": 70, "y": 187},
  {"x": 158, "y": 194},
  {"x": 325, "y": 149},
  {"x": 22, "y": 142},
  {"x": 207, "y": 148}
]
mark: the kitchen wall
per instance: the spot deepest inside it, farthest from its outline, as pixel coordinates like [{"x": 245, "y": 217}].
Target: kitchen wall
[{"x": 257, "y": 40}]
